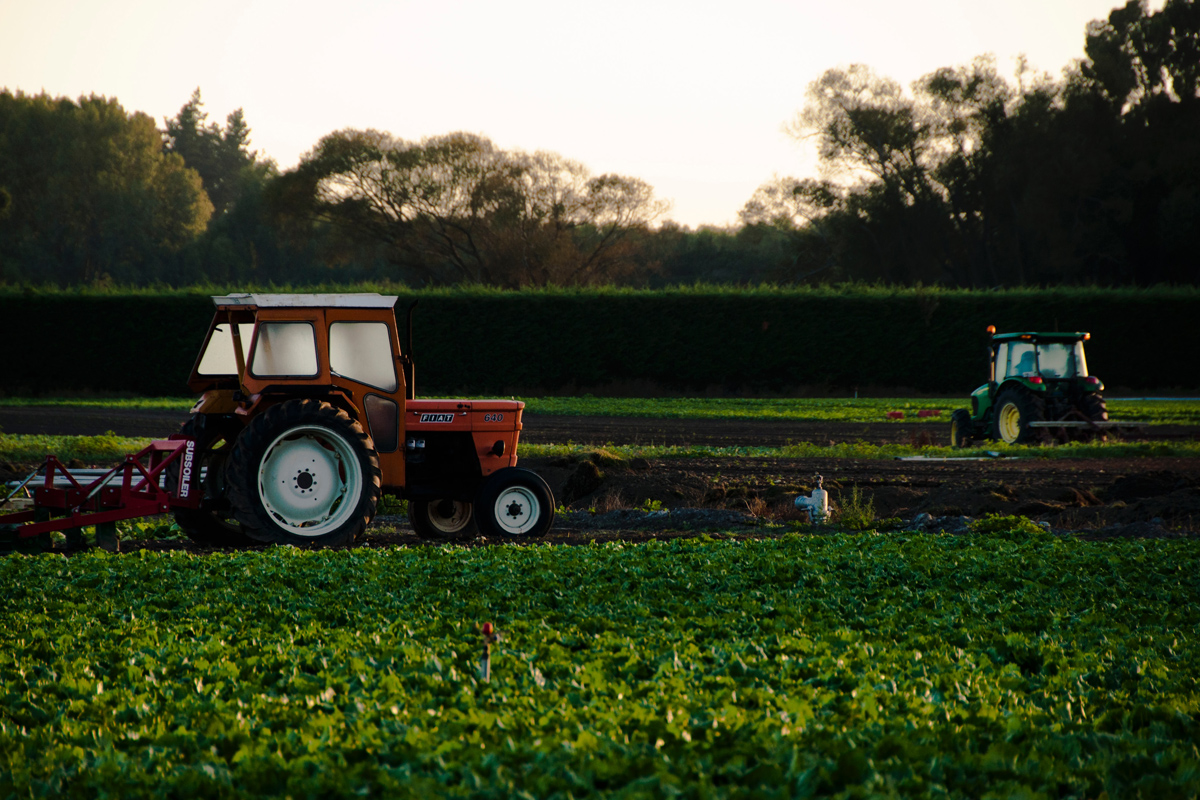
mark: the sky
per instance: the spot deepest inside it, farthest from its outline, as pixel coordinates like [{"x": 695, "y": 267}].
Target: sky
[{"x": 690, "y": 96}]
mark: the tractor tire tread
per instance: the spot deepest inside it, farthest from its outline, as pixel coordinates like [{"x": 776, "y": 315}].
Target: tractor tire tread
[{"x": 257, "y": 436}]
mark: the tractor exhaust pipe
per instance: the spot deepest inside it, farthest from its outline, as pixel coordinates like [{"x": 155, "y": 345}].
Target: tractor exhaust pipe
[
  {"x": 406, "y": 360},
  {"x": 991, "y": 354}
]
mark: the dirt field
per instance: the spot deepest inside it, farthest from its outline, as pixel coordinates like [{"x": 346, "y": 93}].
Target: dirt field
[{"x": 1145, "y": 497}]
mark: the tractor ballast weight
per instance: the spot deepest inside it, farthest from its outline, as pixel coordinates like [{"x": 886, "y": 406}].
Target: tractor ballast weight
[
  {"x": 306, "y": 417},
  {"x": 1037, "y": 383}
]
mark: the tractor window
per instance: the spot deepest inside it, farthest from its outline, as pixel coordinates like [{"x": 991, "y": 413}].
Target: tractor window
[
  {"x": 362, "y": 351},
  {"x": 285, "y": 349},
  {"x": 1062, "y": 360},
  {"x": 1021, "y": 360},
  {"x": 218, "y": 358}
]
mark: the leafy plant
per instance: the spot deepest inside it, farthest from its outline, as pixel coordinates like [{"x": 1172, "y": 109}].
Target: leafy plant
[
  {"x": 392, "y": 505},
  {"x": 856, "y": 512},
  {"x": 1007, "y": 526}
]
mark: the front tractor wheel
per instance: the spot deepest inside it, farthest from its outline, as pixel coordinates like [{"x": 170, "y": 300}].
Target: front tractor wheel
[
  {"x": 515, "y": 503},
  {"x": 442, "y": 519},
  {"x": 1015, "y": 409},
  {"x": 304, "y": 472},
  {"x": 960, "y": 428}
]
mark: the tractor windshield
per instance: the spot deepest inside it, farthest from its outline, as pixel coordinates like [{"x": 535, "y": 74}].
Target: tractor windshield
[
  {"x": 218, "y": 358},
  {"x": 1062, "y": 360}
]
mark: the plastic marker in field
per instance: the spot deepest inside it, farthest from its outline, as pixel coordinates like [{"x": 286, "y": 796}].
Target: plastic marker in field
[
  {"x": 817, "y": 505},
  {"x": 490, "y": 635}
]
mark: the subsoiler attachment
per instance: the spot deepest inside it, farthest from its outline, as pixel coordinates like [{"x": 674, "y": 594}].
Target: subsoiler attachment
[{"x": 155, "y": 480}]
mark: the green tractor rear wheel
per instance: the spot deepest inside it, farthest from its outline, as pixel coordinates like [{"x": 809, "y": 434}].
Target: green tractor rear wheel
[{"x": 1094, "y": 408}]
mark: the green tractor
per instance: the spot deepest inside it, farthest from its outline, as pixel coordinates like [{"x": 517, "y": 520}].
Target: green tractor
[{"x": 1038, "y": 382}]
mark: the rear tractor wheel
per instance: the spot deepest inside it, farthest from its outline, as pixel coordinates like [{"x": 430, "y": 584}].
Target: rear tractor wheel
[
  {"x": 442, "y": 519},
  {"x": 1093, "y": 407},
  {"x": 304, "y": 472}
]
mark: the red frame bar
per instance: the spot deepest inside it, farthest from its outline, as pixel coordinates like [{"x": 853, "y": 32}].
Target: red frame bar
[{"x": 137, "y": 495}]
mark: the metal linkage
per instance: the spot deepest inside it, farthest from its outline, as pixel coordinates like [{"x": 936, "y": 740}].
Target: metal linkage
[{"x": 137, "y": 487}]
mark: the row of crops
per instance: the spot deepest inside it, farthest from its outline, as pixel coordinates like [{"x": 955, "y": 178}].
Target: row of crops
[{"x": 1005, "y": 663}]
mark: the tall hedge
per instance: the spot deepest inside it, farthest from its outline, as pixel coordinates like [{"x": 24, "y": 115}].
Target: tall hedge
[{"x": 694, "y": 340}]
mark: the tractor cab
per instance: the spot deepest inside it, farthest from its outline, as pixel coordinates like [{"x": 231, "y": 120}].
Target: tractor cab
[{"x": 1035, "y": 358}]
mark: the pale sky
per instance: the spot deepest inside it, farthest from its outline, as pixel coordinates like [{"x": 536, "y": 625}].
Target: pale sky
[{"x": 688, "y": 95}]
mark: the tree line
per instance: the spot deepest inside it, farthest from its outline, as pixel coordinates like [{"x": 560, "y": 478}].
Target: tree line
[{"x": 970, "y": 179}]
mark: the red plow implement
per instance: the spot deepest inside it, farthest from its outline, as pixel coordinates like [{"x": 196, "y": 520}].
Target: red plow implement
[{"x": 162, "y": 476}]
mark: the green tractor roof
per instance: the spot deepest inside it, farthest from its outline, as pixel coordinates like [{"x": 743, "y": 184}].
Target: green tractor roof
[{"x": 1034, "y": 336}]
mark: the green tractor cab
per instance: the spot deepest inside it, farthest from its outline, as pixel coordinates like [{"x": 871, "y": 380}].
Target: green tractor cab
[{"x": 1037, "y": 381}]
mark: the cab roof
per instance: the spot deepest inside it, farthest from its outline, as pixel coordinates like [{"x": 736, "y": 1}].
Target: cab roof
[
  {"x": 1036, "y": 336},
  {"x": 346, "y": 300}
]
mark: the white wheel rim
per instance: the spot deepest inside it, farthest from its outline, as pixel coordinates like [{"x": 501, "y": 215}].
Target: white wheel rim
[
  {"x": 458, "y": 518},
  {"x": 517, "y": 510},
  {"x": 310, "y": 480},
  {"x": 1010, "y": 422}
]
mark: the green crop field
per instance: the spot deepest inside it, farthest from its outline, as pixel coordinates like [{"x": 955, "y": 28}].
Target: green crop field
[{"x": 1005, "y": 663}]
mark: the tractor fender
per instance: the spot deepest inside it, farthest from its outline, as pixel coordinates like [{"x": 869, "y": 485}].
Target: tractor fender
[
  {"x": 215, "y": 401},
  {"x": 274, "y": 395}
]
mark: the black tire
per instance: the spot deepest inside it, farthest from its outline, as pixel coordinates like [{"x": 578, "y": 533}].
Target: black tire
[
  {"x": 442, "y": 520},
  {"x": 961, "y": 429},
  {"x": 211, "y": 523},
  {"x": 1014, "y": 410},
  {"x": 1093, "y": 407},
  {"x": 514, "y": 503},
  {"x": 303, "y": 472}
]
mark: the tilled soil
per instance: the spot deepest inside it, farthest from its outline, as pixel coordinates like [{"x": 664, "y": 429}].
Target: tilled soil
[
  {"x": 1096, "y": 495},
  {"x": 652, "y": 498}
]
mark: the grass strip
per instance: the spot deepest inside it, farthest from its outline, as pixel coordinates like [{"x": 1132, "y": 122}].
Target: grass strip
[{"x": 837, "y": 409}]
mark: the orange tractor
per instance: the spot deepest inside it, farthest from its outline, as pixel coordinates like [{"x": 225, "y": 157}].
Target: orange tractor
[{"x": 306, "y": 418}]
